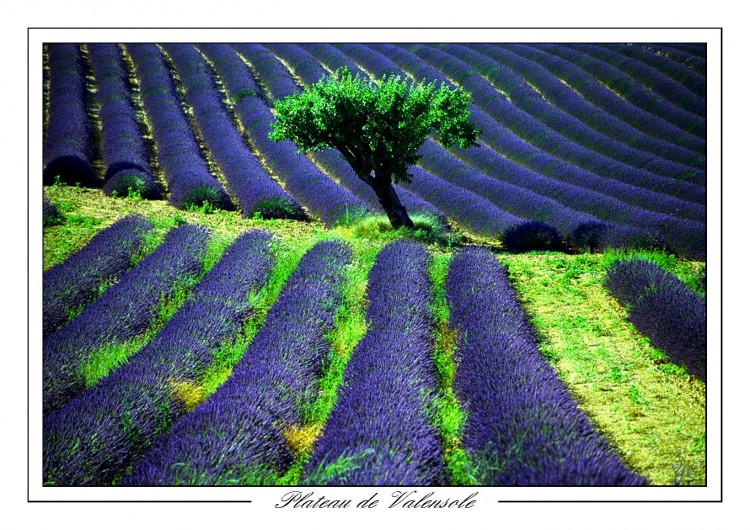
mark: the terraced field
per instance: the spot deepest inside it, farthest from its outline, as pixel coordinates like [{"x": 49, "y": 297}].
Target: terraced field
[{"x": 221, "y": 309}]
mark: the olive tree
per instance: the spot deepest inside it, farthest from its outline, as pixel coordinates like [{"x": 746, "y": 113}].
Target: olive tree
[{"x": 377, "y": 126}]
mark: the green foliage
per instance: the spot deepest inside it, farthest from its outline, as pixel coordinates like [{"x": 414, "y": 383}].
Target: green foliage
[{"x": 377, "y": 126}]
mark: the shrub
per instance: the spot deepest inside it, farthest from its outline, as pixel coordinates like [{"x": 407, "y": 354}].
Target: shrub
[{"x": 532, "y": 235}]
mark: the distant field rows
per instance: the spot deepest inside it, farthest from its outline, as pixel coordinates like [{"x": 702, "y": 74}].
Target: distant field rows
[{"x": 558, "y": 144}]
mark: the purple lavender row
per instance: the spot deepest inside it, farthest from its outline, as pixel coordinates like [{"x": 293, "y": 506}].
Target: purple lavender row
[
  {"x": 67, "y": 150},
  {"x": 123, "y": 147},
  {"x": 274, "y": 75},
  {"x": 523, "y": 428},
  {"x": 596, "y": 93},
  {"x": 506, "y": 113},
  {"x": 647, "y": 76},
  {"x": 530, "y": 102},
  {"x": 77, "y": 280},
  {"x": 310, "y": 71},
  {"x": 255, "y": 190},
  {"x": 677, "y": 72},
  {"x": 697, "y": 50},
  {"x": 629, "y": 89},
  {"x": 237, "y": 436},
  {"x": 185, "y": 169},
  {"x": 688, "y": 60},
  {"x": 95, "y": 436},
  {"x": 124, "y": 311},
  {"x": 568, "y": 100},
  {"x": 663, "y": 309},
  {"x": 378, "y": 432},
  {"x": 332, "y": 58},
  {"x": 315, "y": 190},
  {"x": 513, "y": 199},
  {"x": 523, "y": 153}
]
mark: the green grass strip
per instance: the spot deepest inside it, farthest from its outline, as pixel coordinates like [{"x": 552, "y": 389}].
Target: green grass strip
[{"x": 448, "y": 417}]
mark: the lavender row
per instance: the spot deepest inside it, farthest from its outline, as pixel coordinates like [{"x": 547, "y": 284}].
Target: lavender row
[
  {"x": 96, "y": 435},
  {"x": 255, "y": 190},
  {"x": 695, "y": 49},
  {"x": 239, "y": 434},
  {"x": 315, "y": 190},
  {"x": 185, "y": 169},
  {"x": 77, "y": 280},
  {"x": 310, "y": 71},
  {"x": 124, "y": 311},
  {"x": 564, "y": 97},
  {"x": 67, "y": 150},
  {"x": 123, "y": 148},
  {"x": 378, "y": 433},
  {"x": 523, "y": 428},
  {"x": 511, "y": 198},
  {"x": 629, "y": 90},
  {"x": 681, "y": 225},
  {"x": 596, "y": 93},
  {"x": 648, "y": 76},
  {"x": 675, "y": 70},
  {"x": 537, "y": 159},
  {"x": 329, "y": 56},
  {"x": 663, "y": 309},
  {"x": 688, "y": 60},
  {"x": 506, "y": 113},
  {"x": 269, "y": 69},
  {"x": 532, "y": 104}
]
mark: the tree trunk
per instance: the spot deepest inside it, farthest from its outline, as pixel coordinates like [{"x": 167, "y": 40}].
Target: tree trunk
[{"x": 389, "y": 201}]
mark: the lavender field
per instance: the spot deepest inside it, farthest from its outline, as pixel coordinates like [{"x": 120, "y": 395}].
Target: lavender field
[{"x": 222, "y": 309}]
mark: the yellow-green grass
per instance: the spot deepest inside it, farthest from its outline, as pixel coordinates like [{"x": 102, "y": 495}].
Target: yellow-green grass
[{"x": 650, "y": 410}]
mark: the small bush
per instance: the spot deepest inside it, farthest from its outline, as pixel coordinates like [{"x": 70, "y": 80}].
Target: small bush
[
  {"x": 50, "y": 214},
  {"x": 532, "y": 235},
  {"x": 205, "y": 199},
  {"x": 129, "y": 182},
  {"x": 589, "y": 237},
  {"x": 279, "y": 209},
  {"x": 428, "y": 229}
]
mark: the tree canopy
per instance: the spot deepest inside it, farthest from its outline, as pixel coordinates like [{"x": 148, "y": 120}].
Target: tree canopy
[{"x": 378, "y": 126}]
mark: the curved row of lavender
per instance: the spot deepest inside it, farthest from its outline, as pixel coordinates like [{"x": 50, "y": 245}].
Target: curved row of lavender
[
  {"x": 254, "y": 189},
  {"x": 565, "y": 98},
  {"x": 189, "y": 179},
  {"x": 124, "y": 311},
  {"x": 629, "y": 89},
  {"x": 93, "y": 439},
  {"x": 646, "y": 76},
  {"x": 67, "y": 149},
  {"x": 310, "y": 71},
  {"x": 673, "y": 54},
  {"x": 663, "y": 309},
  {"x": 599, "y": 95},
  {"x": 76, "y": 280},
  {"x": 238, "y": 435},
  {"x": 525, "y": 98},
  {"x": 379, "y": 433},
  {"x": 523, "y": 427},
  {"x": 640, "y": 189},
  {"x": 527, "y": 127},
  {"x": 665, "y": 65},
  {"x": 311, "y": 187},
  {"x": 124, "y": 151}
]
